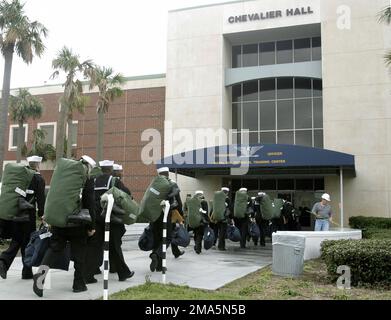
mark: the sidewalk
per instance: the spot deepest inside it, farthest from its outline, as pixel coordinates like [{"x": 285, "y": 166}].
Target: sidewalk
[{"x": 210, "y": 270}]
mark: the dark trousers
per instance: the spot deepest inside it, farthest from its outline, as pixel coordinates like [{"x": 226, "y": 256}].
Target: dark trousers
[
  {"x": 198, "y": 236},
  {"x": 215, "y": 229},
  {"x": 94, "y": 254},
  {"x": 157, "y": 229},
  {"x": 21, "y": 233},
  {"x": 77, "y": 236},
  {"x": 262, "y": 224},
  {"x": 242, "y": 224},
  {"x": 116, "y": 256},
  {"x": 222, "y": 234}
]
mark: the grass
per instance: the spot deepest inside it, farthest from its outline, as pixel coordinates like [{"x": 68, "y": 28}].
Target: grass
[{"x": 314, "y": 284}]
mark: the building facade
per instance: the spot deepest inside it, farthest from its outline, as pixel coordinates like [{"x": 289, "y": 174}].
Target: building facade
[
  {"x": 141, "y": 107},
  {"x": 292, "y": 72}
]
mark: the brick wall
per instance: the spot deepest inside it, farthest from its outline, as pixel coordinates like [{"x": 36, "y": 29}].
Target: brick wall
[{"x": 128, "y": 117}]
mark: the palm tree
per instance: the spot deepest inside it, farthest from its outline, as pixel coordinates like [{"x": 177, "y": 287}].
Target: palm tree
[
  {"x": 17, "y": 34},
  {"x": 109, "y": 86},
  {"x": 79, "y": 106},
  {"x": 385, "y": 17},
  {"x": 23, "y": 107},
  {"x": 72, "y": 98}
]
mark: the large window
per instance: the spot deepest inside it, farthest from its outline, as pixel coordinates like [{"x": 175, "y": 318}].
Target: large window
[
  {"x": 13, "y": 136},
  {"x": 276, "y": 52},
  {"x": 50, "y": 132},
  {"x": 279, "y": 110}
]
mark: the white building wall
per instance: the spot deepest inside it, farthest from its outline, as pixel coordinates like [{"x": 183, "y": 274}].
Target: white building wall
[{"x": 357, "y": 109}]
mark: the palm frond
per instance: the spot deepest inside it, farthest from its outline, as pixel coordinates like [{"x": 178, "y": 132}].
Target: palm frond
[{"x": 384, "y": 16}]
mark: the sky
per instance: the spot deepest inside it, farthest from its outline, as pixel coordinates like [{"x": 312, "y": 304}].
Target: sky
[{"x": 127, "y": 35}]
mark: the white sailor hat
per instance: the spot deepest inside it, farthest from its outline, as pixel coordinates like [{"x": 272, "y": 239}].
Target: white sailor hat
[
  {"x": 261, "y": 193},
  {"x": 117, "y": 167},
  {"x": 106, "y": 163},
  {"x": 225, "y": 189},
  {"x": 34, "y": 159},
  {"x": 199, "y": 192},
  {"x": 243, "y": 189},
  {"x": 89, "y": 160},
  {"x": 163, "y": 169}
]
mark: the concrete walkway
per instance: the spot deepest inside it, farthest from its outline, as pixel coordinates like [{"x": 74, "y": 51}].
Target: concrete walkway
[{"x": 210, "y": 270}]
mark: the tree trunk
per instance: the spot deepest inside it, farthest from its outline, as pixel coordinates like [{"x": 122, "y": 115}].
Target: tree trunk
[
  {"x": 62, "y": 118},
  {"x": 69, "y": 139},
  {"x": 101, "y": 128},
  {"x": 8, "y": 57},
  {"x": 20, "y": 142}
]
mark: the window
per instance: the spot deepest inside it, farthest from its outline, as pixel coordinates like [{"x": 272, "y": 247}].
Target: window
[
  {"x": 250, "y": 91},
  {"x": 267, "y": 54},
  {"x": 13, "y": 136},
  {"x": 302, "y": 50},
  {"x": 284, "y": 52},
  {"x": 50, "y": 132},
  {"x": 279, "y": 110},
  {"x": 237, "y": 57},
  {"x": 277, "y": 52},
  {"x": 237, "y": 93},
  {"x": 250, "y": 55},
  {"x": 73, "y": 131},
  {"x": 250, "y": 116},
  {"x": 316, "y": 49},
  {"x": 268, "y": 115}
]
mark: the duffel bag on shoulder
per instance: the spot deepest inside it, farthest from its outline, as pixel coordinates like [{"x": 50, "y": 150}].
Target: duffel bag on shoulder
[
  {"x": 219, "y": 207},
  {"x": 16, "y": 180},
  {"x": 64, "y": 197},
  {"x": 150, "y": 206}
]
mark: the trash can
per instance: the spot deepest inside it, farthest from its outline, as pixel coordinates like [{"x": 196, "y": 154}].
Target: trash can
[{"x": 288, "y": 255}]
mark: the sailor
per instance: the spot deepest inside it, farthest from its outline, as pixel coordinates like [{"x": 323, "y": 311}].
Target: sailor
[
  {"x": 199, "y": 232},
  {"x": 222, "y": 226},
  {"x": 262, "y": 224},
  {"x": 242, "y": 223},
  {"x": 35, "y": 196},
  {"x": 157, "y": 226},
  {"x": 76, "y": 235},
  {"x": 94, "y": 257},
  {"x": 117, "y": 171}
]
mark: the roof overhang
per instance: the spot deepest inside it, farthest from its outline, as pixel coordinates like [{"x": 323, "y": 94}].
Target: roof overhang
[{"x": 260, "y": 159}]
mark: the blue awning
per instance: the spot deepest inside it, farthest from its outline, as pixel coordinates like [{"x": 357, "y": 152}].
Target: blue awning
[{"x": 258, "y": 157}]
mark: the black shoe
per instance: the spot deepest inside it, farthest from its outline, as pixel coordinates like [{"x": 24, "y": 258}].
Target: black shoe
[
  {"x": 131, "y": 274},
  {"x": 154, "y": 262},
  {"x": 79, "y": 288},
  {"x": 160, "y": 269},
  {"x": 263, "y": 245},
  {"x": 37, "y": 291},
  {"x": 181, "y": 253},
  {"x": 91, "y": 280},
  {"x": 222, "y": 249},
  {"x": 198, "y": 251},
  {"x": 3, "y": 270}
]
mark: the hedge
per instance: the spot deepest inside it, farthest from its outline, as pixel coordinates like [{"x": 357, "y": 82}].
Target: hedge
[
  {"x": 369, "y": 222},
  {"x": 369, "y": 260}
]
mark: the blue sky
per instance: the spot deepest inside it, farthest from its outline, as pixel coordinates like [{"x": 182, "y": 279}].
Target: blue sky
[{"x": 128, "y": 35}]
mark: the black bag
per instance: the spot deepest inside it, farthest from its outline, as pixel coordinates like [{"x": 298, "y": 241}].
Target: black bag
[
  {"x": 233, "y": 233},
  {"x": 254, "y": 231},
  {"x": 80, "y": 217},
  {"x": 146, "y": 242},
  {"x": 209, "y": 238},
  {"x": 180, "y": 236},
  {"x": 37, "y": 247}
]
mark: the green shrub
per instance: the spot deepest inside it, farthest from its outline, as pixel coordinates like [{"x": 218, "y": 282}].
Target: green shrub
[
  {"x": 369, "y": 260},
  {"x": 374, "y": 233},
  {"x": 369, "y": 222}
]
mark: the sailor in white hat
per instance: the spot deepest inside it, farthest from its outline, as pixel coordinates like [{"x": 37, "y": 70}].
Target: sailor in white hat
[
  {"x": 26, "y": 221},
  {"x": 103, "y": 183},
  {"x": 174, "y": 198},
  {"x": 117, "y": 170},
  {"x": 200, "y": 230}
]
